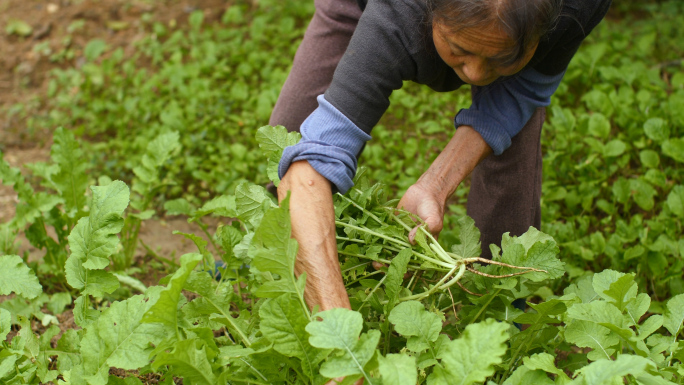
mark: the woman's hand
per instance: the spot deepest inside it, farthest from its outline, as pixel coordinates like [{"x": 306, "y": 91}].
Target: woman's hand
[
  {"x": 427, "y": 198},
  {"x": 424, "y": 202}
]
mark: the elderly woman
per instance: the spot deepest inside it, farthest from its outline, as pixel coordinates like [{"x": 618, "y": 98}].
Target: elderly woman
[{"x": 513, "y": 53}]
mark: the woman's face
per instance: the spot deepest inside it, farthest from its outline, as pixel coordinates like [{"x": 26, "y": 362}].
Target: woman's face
[{"x": 475, "y": 54}]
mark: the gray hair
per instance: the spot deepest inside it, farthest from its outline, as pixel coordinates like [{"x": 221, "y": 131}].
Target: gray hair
[{"x": 524, "y": 21}]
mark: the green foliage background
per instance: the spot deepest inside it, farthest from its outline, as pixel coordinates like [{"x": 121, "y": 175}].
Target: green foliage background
[
  {"x": 612, "y": 190},
  {"x": 177, "y": 121}
]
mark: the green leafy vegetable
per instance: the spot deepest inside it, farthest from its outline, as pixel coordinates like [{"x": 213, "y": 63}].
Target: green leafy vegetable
[{"x": 16, "y": 277}]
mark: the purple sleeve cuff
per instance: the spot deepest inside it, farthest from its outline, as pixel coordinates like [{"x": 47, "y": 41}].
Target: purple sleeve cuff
[
  {"x": 501, "y": 109},
  {"x": 330, "y": 143}
]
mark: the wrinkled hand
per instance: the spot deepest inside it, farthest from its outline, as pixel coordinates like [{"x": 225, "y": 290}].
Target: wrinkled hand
[{"x": 425, "y": 203}]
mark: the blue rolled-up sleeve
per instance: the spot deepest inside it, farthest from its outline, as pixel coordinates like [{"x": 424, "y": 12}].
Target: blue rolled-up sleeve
[
  {"x": 330, "y": 143},
  {"x": 500, "y": 110}
]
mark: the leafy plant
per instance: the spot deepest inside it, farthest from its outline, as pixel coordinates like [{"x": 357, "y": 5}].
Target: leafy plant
[
  {"x": 395, "y": 333},
  {"x": 431, "y": 312},
  {"x": 61, "y": 209},
  {"x": 147, "y": 185}
]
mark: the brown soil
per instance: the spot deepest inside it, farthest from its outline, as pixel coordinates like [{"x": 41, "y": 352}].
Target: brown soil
[{"x": 60, "y": 26}]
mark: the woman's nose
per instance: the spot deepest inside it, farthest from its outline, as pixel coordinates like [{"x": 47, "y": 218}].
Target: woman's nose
[{"x": 476, "y": 69}]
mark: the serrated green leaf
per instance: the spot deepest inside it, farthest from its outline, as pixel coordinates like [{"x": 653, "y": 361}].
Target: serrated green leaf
[
  {"x": 273, "y": 140},
  {"x": 532, "y": 249},
  {"x": 250, "y": 201},
  {"x": 178, "y": 206},
  {"x": 421, "y": 240},
  {"x": 244, "y": 250},
  {"x": 543, "y": 313},
  {"x": 7, "y": 365},
  {"x": 58, "y": 302},
  {"x": 608, "y": 371},
  {"x": 545, "y": 362},
  {"x": 228, "y": 237},
  {"x": 601, "y": 281},
  {"x": 650, "y": 326},
  {"x": 395, "y": 277},
  {"x": 31, "y": 204},
  {"x": 201, "y": 244},
  {"x": 637, "y": 308},
  {"x": 531, "y": 237},
  {"x": 597, "y": 311},
  {"x": 275, "y": 252},
  {"x": 223, "y": 205},
  {"x": 119, "y": 339},
  {"x": 165, "y": 310},
  {"x": 284, "y": 323},
  {"x": 339, "y": 329},
  {"x": 94, "y": 239},
  {"x": 130, "y": 281},
  {"x": 25, "y": 341},
  {"x": 216, "y": 302},
  {"x": 189, "y": 361},
  {"x": 157, "y": 153},
  {"x": 16, "y": 277},
  {"x": 67, "y": 351},
  {"x": 421, "y": 327},
  {"x": 610, "y": 317},
  {"x": 674, "y": 314},
  {"x": 584, "y": 289},
  {"x": 272, "y": 171},
  {"x": 83, "y": 313},
  {"x": 354, "y": 358},
  {"x": 586, "y": 334},
  {"x": 621, "y": 291},
  {"x": 71, "y": 180},
  {"x": 94, "y": 282},
  {"x": 471, "y": 358},
  {"x": 470, "y": 239},
  {"x": 650, "y": 379},
  {"x": 524, "y": 376},
  {"x": 398, "y": 369}
]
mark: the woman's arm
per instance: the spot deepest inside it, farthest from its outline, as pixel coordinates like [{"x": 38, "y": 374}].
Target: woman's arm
[
  {"x": 427, "y": 197},
  {"x": 313, "y": 225}
]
